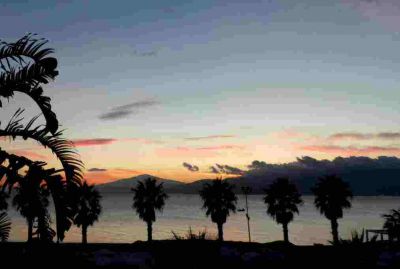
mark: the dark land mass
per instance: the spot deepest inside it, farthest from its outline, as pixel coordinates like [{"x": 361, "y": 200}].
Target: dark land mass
[
  {"x": 199, "y": 254},
  {"x": 366, "y": 182}
]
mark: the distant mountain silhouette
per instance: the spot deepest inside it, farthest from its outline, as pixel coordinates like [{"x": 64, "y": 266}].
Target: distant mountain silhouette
[
  {"x": 366, "y": 176},
  {"x": 125, "y": 185}
]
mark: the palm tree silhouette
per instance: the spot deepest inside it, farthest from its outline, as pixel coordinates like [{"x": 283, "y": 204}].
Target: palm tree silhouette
[
  {"x": 89, "y": 208},
  {"x": 25, "y": 65},
  {"x": 31, "y": 201},
  {"x": 392, "y": 224},
  {"x": 38, "y": 175},
  {"x": 282, "y": 199},
  {"x": 332, "y": 195},
  {"x": 148, "y": 196},
  {"x": 218, "y": 200}
]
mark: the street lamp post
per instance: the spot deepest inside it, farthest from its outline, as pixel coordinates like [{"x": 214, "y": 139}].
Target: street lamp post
[{"x": 247, "y": 190}]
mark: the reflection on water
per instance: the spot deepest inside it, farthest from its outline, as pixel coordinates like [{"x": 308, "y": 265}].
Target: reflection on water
[{"x": 119, "y": 223}]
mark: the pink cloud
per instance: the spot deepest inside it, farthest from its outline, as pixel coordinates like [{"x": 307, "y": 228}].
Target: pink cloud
[
  {"x": 106, "y": 141},
  {"x": 209, "y": 137},
  {"x": 351, "y": 150},
  {"x": 93, "y": 142}
]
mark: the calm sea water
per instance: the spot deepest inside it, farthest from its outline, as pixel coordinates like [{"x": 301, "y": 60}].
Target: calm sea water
[{"x": 119, "y": 223}]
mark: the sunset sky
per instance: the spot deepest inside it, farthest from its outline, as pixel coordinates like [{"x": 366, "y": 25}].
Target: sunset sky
[{"x": 145, "y": 86}]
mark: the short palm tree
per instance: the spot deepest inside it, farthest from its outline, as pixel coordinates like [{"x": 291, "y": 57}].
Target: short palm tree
[
  {"x": 148, "y": 196},
  {"x": 31, "y": 202},
  {"x": 219, "y": 201},
  {"x": 89, "y": 208},
  {"x": 282, "y": 199},
  {"x": 392, "y": 224},
  {"x": 32, "y": 198},
  {"x": 332, "y": 195}
]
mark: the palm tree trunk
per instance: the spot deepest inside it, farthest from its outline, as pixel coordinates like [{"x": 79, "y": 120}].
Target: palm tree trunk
[
  {"x": 30, "y": 229},
  {"x": 335, "y": 233},
  {"x": 220, "y": 232},
  {"x": 149, "y": 231},
  {"x": 285, "y": 232},
  {"x": 84, "y": 234}
]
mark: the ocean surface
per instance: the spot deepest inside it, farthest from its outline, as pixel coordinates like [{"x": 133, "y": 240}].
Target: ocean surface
[{"x": 119, "y": 223}]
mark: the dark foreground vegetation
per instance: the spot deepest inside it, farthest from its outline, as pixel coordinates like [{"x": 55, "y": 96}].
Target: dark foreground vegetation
[{"x": 202, "y": 254}]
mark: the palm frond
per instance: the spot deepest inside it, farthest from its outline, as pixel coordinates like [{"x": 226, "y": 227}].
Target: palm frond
[
  {"x": 5, "y": 227},
  {"x": 26, "y": 76},
  {"x": 28, "y": 46},
  {"x": 148, "y": 196},
  {"x": 62, "y": 148},
  {"x": 219, "y": 200},
  {"x": 282, "y": 199}
]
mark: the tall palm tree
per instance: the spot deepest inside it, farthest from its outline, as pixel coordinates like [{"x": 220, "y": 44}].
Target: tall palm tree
[
  {"x": 219, "y": 201},
  {"x": 24, "y": 66},
  {"x": 148, "y": 196},
  {"x": 332, "y": 195},
  {"x": 89, "y": 208},
  {"x": 392, "y": 224},
  {"x": 282, "y": 199}
]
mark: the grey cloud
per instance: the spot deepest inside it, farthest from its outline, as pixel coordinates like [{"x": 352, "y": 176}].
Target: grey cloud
[
  {"x": 394, "y": 135},
  {"x": 214, "y": 170},
  {"x": 115, "y": 115},
  {"x": 226, "y": 169},
  {"x": 257, "y": 165},
  {"x": 365, "y": 136},
  {"x": 94, "y": 169},
  {"x": 190, "y": 167},
  {"x": 123, "y": 111}
]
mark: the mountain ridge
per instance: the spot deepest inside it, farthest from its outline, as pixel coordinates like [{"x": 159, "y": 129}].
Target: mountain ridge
[{"x": 364, "y": 182}]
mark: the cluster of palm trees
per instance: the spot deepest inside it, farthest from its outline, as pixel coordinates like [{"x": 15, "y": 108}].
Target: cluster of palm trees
[
  {"x": 282, "y": 198},
  {"x": 31, "y": 194},
  {"x": 25, "y": 66}
]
